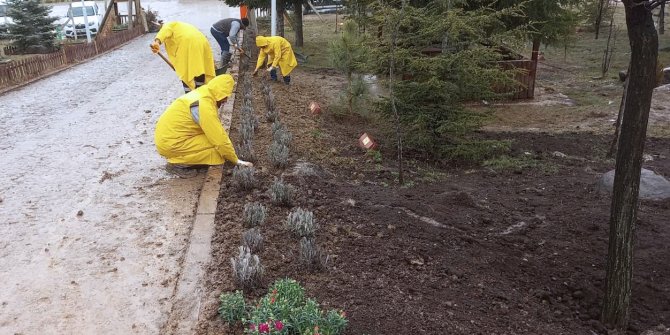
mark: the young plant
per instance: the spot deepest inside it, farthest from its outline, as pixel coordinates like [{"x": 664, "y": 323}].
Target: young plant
[
  {"x": 311, "y": 255},
  {"x": 301, "y": 222},
  {"x": 272, "y": 115},
  {"x": 254, "y": 214},
  {"x": 281, "y": 194},
  {"x": 253, "y": 240},
  {"x": 244, "y": 177},
  {"x": 276, "y": 126},
  {"x": 270, "y": 101},
  {"x": 278, "y": 154},
  {"x": 283, "y": 137},
  {"x": 247, "y": 269},
  {"x": 232, "y": 308},
  {"x": 246, "y": 150},
  {"x": 286, "y": 310}
]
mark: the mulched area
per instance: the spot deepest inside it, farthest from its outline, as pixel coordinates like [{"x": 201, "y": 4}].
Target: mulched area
[{"x": 462, "y": 250}]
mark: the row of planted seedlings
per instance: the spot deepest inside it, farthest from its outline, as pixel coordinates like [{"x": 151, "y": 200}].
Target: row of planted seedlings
[{"x": 284, "y": 309}]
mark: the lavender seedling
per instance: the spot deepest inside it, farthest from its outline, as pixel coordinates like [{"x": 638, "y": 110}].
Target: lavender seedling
[
  {"x": 247, "y": 268},
  {"x": 301, "y": 222},
  {"x": 253, "y": 240},
  {"x": 278, "y": 155},
  {"x": 311, "y": 255},
  {"x": 254, "y": 214},
  {"x": 244, "y": 177},
  {"x": 281, "y": 194}
]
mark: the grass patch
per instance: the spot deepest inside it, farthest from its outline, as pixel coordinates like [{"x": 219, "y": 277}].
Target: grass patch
[{"x": 516, "y": 164}]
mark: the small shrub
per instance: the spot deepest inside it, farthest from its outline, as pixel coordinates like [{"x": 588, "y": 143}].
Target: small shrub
[
  {"x": 232, "y": 308},
  {"x": 286, "y": 310},
  {"x": 244, "y": 177},
  {"x": 246, "y": 150},
  {"x": 254, "y": 214},
  {"x": 311, "y": 256},
  {"x": 272, "y": 115},
  {"x": 301, "y": 222},
  {"x": 265, "y": 87},
  {"x": 281, "y": 194},
  {"x": 276, "y": 126},
  {"x": 253, "y": 240},
  {"x": 283, "y": 137},
  {"x": 247, "y": 268},
  {"x": 278, "y": 154},
  {"x": 270, "y": 101}
]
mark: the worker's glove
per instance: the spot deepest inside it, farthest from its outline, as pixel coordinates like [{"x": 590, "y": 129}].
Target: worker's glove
[
  {"x": 155, "y": 47},
  {"x": 271, "y": 68},
  {"x": 244, "y": 163}
]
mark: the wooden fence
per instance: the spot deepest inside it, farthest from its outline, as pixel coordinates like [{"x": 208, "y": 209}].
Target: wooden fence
[
  {"x": 525, "y": 78},
  {"x": 21, "y": 71}
]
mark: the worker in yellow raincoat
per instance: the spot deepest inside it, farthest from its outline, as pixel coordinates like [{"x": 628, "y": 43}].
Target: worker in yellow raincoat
[
  {"x": 190, "y": 134},
  {"x": 189, "y": 52},
  {"x": 279, "y": 53}
]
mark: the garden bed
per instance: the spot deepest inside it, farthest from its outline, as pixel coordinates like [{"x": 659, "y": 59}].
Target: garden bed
[{"x": 461, "y": 250}]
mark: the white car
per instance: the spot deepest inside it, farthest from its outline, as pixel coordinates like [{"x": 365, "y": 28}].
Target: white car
[
  {"x": 4, "y": 19},
  {"x": 78, "y": 15}
]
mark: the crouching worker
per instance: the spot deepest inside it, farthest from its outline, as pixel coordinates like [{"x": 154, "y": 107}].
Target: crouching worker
[
  {"x": 189, "y": 52},
  {"x": 189, "y": 133},
  {"x": 279, "y": 53}
]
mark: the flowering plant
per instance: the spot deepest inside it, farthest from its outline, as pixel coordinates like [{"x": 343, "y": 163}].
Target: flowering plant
[{"x": 284, "y": 311}]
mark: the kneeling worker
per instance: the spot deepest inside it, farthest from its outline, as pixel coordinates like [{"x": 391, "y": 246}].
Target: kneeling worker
[{"x": 189, "y": 133}]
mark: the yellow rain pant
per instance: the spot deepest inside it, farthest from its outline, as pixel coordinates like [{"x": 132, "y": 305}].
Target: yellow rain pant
[
  {"x": 279, "y": 53},
  {"x": 189, "y": 132},
  {"x": 188, "y": 50}
]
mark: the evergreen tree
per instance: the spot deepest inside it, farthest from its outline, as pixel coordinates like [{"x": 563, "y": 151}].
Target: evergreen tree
[
  {"x": 349, "y": 55},
  {"x": 33, "y": 28},
  {"x": 430, "y": 98}
]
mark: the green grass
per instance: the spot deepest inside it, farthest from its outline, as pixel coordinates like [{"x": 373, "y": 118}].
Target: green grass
[{"x": 508, "y": 163}]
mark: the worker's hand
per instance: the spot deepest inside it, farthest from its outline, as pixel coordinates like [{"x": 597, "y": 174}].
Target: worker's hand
[
  {"x": 155, "y": 46},
  {"x": 244, "y": 163},
  {"x": 271, "y": 68},
  {"x": 255, "y": 72},
  {"x": 241, "y": 51}
]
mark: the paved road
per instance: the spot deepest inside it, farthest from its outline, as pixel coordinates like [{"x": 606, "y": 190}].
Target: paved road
[{"x": 92, "y": 230}]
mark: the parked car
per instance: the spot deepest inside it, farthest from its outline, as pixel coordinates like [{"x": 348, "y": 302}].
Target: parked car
[
  {"x": 78, "y": 15},
  {"x": 4, "y": 19}
]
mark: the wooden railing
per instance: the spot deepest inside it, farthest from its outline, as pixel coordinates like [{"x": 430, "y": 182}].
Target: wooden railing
[{"x": 24, "y": 70}]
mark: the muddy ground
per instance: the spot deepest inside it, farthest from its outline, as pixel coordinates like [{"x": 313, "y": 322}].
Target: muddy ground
[{"x": 461, "y": 249}]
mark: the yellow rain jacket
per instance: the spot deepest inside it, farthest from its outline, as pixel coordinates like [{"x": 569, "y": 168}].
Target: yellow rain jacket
[
  {"x": 279, "y": 52},
  {"x": 188, "y": 50},
  {"x": 189, "y": 132}
]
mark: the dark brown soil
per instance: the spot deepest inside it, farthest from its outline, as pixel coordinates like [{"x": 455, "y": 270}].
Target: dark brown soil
[{"x": 461, "y": 250}]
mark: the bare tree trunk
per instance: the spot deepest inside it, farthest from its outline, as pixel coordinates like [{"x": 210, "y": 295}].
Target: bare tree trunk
[
  {"x": 281, "y": 6},
  {"x": 297, "y": 12},
  {"x": 661, "y": 19},
  {"x": 398, "y": 129},
  {"x": 609, "y": 49},
  {"x": 534, "y": 58},
  {"x": 602, "y": 7},
  {"x": 615, "y": 140},
  {"x": 641, "y": 82}
]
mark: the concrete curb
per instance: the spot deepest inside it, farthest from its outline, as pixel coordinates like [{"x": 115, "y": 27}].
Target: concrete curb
[
  {"x": 190, "y": 291},
  {"x": 65, "y": 67}
]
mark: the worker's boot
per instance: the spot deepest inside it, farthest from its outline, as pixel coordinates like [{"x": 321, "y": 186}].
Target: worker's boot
[
  {"x": 273, "y": 75},
  {"x": 287, "y": 80},
  {"x": 225, "y": 59},
  {"x": 181, "y": 171}
]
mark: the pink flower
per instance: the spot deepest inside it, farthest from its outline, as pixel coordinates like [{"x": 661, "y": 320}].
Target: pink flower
[
  {"x": 264, "y": 328},
  {"x": 252, "y": 327},
  {"x": 279, "y": 325}
]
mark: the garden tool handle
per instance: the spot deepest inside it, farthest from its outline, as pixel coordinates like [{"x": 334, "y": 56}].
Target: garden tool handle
[
  {"x": 243, "y": 52},
  {"x": 166, "y": 60}
]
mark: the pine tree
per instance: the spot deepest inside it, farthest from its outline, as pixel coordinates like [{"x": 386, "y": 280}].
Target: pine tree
[
  {"x": 33, "y": 29},
  {"x": 349, "y": 55}
]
